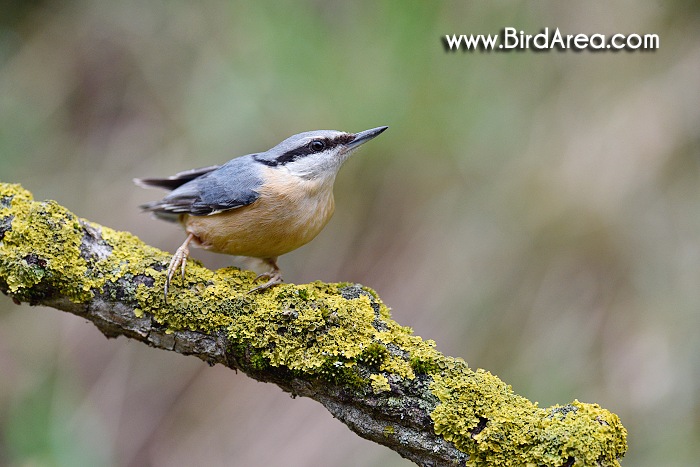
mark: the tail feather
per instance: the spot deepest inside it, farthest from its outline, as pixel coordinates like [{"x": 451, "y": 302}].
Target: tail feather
[
  {"x": 155, "y": 208},
  {"x": 174, "y": 181}
]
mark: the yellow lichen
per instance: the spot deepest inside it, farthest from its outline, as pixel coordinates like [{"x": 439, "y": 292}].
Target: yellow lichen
[
  {"x": 482, "y": 416},
  {"x": 43, "y": 243},
  {"x": 379, "y": 383}
]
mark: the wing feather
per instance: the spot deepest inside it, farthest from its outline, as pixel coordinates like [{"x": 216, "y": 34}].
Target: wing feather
[{"x": 206, "y": 192}]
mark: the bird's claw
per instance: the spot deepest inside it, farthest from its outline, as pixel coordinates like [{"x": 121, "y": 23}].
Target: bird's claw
[
  {"x": 179, "y": 260},
  {"x": 275, "y": 278}
]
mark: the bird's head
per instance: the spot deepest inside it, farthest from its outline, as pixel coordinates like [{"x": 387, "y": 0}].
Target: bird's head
[{"x": 316, "y": 154}]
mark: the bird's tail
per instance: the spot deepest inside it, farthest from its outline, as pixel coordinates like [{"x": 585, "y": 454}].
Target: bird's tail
[{"x": 174, "y": 181}]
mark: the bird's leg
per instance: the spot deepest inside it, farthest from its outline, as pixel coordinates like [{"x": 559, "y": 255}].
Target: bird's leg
[
  {"x": 274, "y": 275},
  {"x": 179, "y": 260}
]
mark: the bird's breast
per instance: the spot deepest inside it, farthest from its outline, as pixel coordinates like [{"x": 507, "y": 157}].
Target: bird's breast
[{"x": 289, "y": 213}]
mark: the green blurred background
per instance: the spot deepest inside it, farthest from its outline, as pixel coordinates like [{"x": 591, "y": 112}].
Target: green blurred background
[{"x": 535, "y": 213}]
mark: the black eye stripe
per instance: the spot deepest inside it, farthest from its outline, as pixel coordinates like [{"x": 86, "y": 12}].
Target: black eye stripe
[
  {"x": 306, "y": 149},
  {"x": 343, "y": 139}
]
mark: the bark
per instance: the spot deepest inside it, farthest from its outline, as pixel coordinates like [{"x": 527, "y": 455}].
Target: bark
[{"x": 334, "y": 343}]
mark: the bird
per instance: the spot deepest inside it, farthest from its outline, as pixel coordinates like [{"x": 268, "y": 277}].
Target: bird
[{"x": 259, "y": 205}]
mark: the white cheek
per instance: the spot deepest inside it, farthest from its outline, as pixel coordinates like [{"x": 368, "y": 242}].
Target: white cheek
[{"x": 315, "y": 166}]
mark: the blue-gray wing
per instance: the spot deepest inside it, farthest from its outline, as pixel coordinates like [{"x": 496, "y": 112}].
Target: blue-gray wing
[{"x": 233, "y": 185}]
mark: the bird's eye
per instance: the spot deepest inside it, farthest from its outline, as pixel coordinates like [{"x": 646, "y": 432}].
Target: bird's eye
[{"x": 317, "y": 145}]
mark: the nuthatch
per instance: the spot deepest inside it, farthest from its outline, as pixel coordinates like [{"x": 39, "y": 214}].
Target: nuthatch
[{"x": 259, "y": 205}]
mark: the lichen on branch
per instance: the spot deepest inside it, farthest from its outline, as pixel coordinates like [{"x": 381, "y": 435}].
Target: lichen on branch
[{"x": 335, "y": 343}]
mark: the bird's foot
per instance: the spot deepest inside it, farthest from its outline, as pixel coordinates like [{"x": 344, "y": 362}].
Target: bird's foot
[
  {"x": 179, "y": 260},
  {"x": 274, "y": 276}
]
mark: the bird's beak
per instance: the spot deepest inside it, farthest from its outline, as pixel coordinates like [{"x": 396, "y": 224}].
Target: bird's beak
[{"x": 364, "y": 136}]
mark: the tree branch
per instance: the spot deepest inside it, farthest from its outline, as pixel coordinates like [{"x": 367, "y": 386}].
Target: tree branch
[{"x": 334, "y": 343}]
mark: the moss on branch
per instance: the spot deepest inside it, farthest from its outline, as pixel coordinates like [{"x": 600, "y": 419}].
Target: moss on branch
[{"x": 334, "y": 342}]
